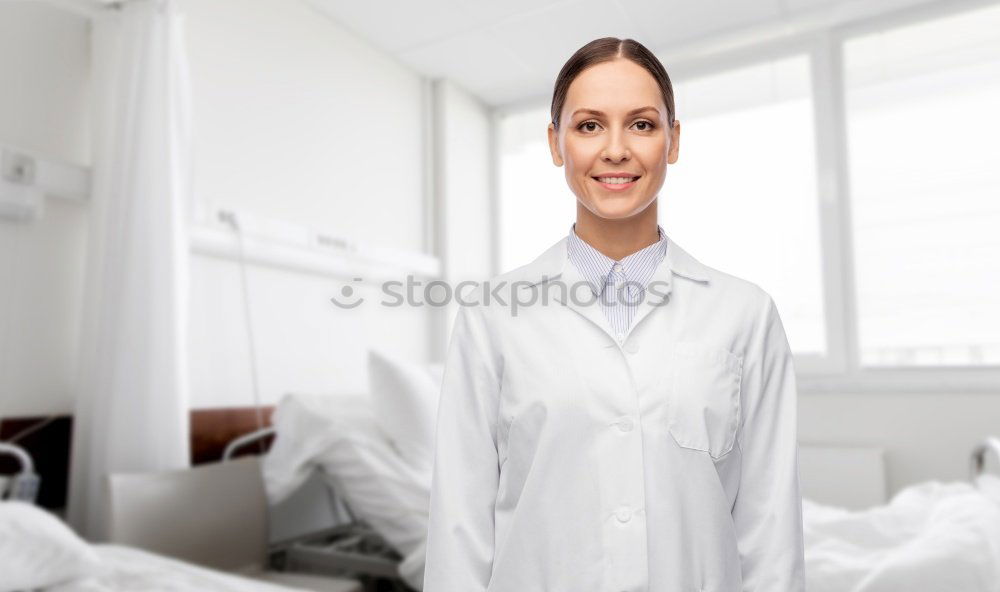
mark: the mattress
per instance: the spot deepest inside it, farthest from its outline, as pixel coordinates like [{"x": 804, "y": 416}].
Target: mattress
[{"x": 131, "y": 569}]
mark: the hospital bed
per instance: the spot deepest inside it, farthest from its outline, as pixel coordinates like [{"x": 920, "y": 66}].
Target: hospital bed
[
  {"x": 381, "y": 501},
  {"x": 930, "y": 537},
  {"x": 185, "y": 531}
]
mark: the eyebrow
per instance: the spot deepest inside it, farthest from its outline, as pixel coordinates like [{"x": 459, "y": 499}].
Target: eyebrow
[{"x": 629, "y": 114}]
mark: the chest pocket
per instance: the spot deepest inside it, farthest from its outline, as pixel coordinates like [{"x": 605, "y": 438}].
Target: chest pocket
[{"x": 703, "y": 396}]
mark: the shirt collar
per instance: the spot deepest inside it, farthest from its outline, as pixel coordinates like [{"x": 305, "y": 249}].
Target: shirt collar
[{"x": 597, "y": 267}]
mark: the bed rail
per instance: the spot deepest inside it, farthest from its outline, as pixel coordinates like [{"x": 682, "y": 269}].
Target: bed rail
[
  {"x": 23, "y": 485},
  {"x": 980, "y": 453},
  {"x": 245, "y": 439}
]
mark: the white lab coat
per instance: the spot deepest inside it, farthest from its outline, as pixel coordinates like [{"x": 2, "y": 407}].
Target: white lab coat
[{"x": 567, "y": 461}]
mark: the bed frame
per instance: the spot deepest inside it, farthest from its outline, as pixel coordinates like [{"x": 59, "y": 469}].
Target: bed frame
[
  {"x": 23, "y": 486},
  {"x": 351, "y": 549},
  {"x": 980, "y": 455}
]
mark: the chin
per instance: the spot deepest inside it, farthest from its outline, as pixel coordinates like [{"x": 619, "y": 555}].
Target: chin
[{"x": 616, "y": 209}]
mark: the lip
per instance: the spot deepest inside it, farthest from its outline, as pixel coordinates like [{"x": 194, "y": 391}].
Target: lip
[{"x": 617, "y": 186}]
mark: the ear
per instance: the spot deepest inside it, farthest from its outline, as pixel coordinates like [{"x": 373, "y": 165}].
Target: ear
[
  {"x": 675, "y": 142},
  {"x": 554, "y": 145}
]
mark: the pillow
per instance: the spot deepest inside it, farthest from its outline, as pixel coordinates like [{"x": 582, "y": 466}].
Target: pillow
[
  {"x": 37, "y": 550},
  {"x": 339, "y": 434},
  {"x": 405, "y": 398}
]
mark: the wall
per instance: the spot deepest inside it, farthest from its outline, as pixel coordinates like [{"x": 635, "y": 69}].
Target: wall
[
  {"x": 44, "y": 70},
  {"x": 924, "y": 436},
  {"x": 298, "y": 119},
  {"x": 464, "y": 194}
]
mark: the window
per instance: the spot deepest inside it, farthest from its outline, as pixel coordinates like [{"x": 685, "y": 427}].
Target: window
[
  {"x": 923, "y": 112},
  {"x": 742, "y": 196}
]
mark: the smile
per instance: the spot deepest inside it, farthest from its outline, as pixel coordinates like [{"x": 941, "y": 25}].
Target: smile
[{"x": 616, "y": 183}]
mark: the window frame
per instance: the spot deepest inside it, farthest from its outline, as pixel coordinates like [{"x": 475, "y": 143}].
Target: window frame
[{"x": 840, "y": 370}]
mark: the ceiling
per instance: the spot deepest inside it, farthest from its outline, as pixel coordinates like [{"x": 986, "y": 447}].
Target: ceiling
[{"x": 511, "y": 51}]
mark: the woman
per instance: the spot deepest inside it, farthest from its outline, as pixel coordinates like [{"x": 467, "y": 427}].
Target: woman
[{"x": 616, "y": 416}]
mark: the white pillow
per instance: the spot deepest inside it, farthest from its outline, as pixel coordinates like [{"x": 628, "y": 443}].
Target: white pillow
[
  {"x": 339, "y": 434},
  {"x": 37, "y": 550},
  {"x": 405, "y": 399}
]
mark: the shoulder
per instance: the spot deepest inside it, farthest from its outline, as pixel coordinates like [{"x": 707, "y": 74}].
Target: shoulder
[
  {"x": 749, "y": 294},
  {"x": 724, "y": 287},
  {"x": 741, "y": 303}
]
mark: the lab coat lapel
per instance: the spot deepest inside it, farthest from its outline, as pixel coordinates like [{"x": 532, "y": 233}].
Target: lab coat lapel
[
  {"x": 577, "y": 293},
  {"x": 676, "y": 262},
  {"x": 658, "y": 289},
  {"x": 552, "y": 273}
]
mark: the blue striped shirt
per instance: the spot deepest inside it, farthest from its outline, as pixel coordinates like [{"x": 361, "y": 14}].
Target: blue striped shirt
[{"x": 626, "y": 278}]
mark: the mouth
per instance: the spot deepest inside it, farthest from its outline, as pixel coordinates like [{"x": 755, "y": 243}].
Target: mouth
[{"x": 616, "y": 183}]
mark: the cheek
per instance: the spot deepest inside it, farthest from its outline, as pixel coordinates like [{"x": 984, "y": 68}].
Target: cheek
[
  {"x": 654, "y": 153},
  {"x": 580, "y": 158}
]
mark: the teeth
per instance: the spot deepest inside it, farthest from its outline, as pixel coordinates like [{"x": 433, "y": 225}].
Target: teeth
[{"x": 617, "y": 180}]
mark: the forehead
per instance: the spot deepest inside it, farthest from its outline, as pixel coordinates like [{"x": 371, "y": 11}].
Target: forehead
[{"x": 618, "y": 85}]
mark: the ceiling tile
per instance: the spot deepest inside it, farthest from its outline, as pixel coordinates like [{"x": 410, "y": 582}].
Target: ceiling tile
[
  {"x": 667, "y": 23},
  {"x": 547, "y": 38},
  {"x": 473, "y": 60},
  {"x": 396, "y": 26},
  {"x": 799, "y": 5}
]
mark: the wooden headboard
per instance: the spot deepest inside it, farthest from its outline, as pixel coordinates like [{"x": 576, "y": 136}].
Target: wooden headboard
[
  {"x": 213, "y": 429},
  {"x": 49, "y": 444}
]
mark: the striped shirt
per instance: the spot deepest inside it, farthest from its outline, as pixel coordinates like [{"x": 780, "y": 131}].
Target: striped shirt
[{"x": 627, "y": 279}]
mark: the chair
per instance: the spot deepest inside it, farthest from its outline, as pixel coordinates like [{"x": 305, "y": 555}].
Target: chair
[{"x": 213, "y": 515}]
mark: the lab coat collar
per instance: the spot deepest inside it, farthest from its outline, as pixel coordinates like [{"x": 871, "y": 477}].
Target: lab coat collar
[{"x": 554, "y": 264}]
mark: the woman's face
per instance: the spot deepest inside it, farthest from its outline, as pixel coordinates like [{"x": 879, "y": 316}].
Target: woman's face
[{"x": 614, "y": 124}]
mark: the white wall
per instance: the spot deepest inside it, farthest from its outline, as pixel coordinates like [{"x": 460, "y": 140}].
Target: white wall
[
  {"x": 925, "y": 436},
  {"x": 44, "y": 70},
  {"x": 298, "y": 119},
  {"x": 466, "y": 193},
  {"x": 464, "y": 205}
]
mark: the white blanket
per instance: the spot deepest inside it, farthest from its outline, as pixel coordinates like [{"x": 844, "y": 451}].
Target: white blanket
[
  {"x": 932, "y": 537},
  {"x": 127, "y": 569}
]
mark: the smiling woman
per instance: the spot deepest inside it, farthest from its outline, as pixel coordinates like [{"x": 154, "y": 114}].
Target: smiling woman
[{"x": 644, "y": 444}]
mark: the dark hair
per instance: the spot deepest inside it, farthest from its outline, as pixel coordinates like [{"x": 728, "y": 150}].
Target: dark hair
[{"x": 606, "y": 49}]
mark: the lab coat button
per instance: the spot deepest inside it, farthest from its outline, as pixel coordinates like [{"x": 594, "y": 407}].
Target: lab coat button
[
  {"x": 623, "y": 515},
  {"x": 625, "y": 424}
]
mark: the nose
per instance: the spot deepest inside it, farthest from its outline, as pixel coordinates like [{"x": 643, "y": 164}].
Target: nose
[{"x": 616, "y": 150}]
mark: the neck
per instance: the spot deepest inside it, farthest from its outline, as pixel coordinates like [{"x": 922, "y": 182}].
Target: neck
[{"x": 617, "y": 238}]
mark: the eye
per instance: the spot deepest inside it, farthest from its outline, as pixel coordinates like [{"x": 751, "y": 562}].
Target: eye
[
  {"x": 649, "y": 125},
  {"x": 589, "y": 122}
]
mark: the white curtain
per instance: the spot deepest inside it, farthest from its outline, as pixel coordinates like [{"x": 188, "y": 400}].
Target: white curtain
[{"x": 132, "y": 402}]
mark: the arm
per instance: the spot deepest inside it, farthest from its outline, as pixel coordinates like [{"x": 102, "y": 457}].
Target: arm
[
  {"x": 466, "y": 470},
  {"x": 768, "y": 508}
]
